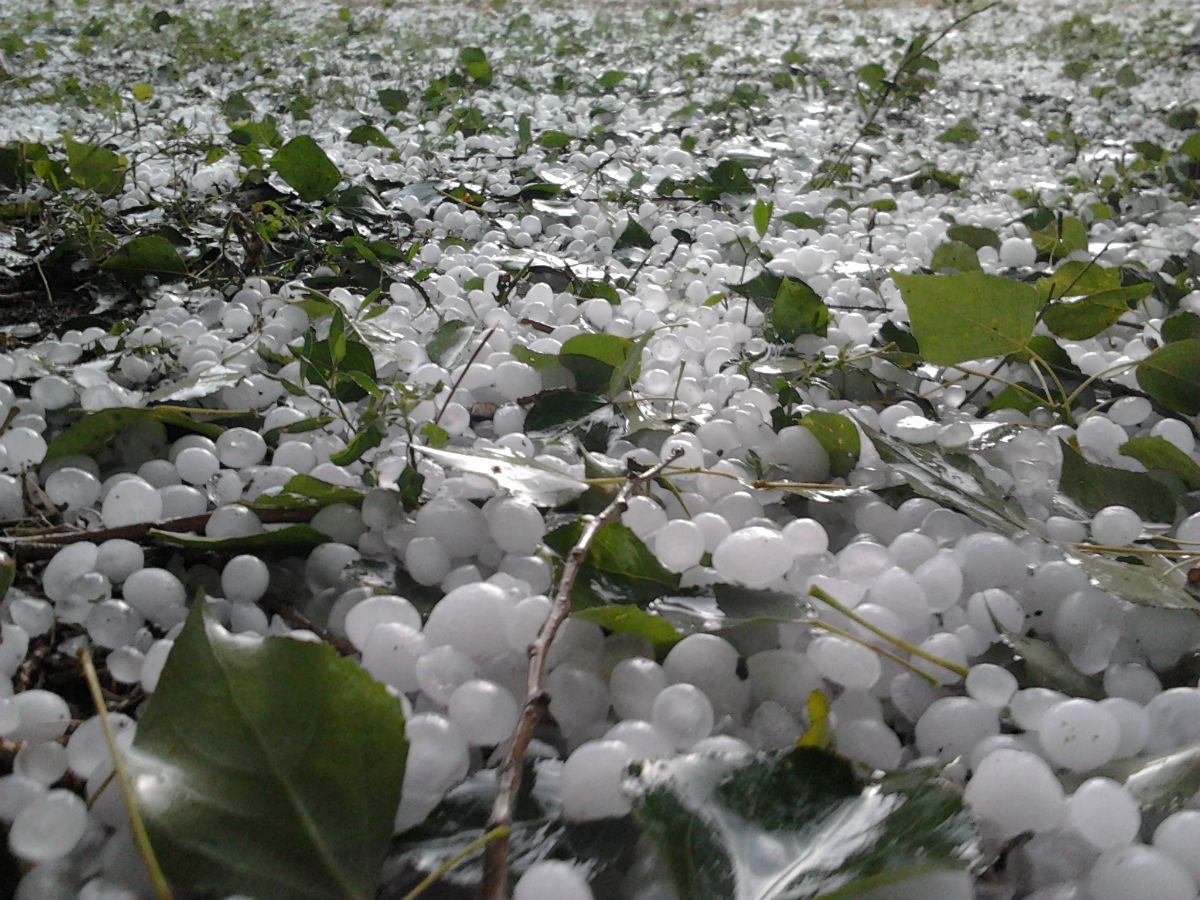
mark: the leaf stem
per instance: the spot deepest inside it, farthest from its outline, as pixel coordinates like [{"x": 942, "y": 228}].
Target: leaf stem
[
  {"x": 140, "y": 838},
  {"x": 436, "y": 874},
  {"x": 495, "y": 860}
]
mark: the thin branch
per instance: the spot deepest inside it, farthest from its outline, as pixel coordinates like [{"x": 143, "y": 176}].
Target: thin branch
[{"x": 495, "y": 859}]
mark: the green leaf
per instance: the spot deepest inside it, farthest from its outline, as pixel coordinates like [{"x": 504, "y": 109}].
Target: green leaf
[
  {"x": 838, "y": 436},
  {"x": 594, "y": 358},
  {"x": 1059, "y": 239},
  {"x": 293, "y": 539},
  {"x": 237, "y": 108},
  {"x": 1161, "y": 784},
  {"x": 956, "y": 256},
  {"x": 1181, "y": 327},
  {"x": 761, "y": 289},
  {"x": 1171, "y": 375},
  {"x": 1161, "y": 455},
  {"x": 96, "y": 168},
  {"x": 729, "y": 178},
  {"x": 1155, "y": 582},
  {"x": 628, "y": 618},
  {"x": 368, "y": 135},
  {"x": 86, "y": 435},
  {"x": 368, "y": 436},
  {"x": 524, "y": 477},
  {"x": 269, "y": 767},
  {"x": 1076, "y": 278},
  {"x": 475, "y": 63},
  {"x": 1038, "y": 663},
  {"x": 554, "y": 410},
  {"x": 317, "y": 365},
  {"x": 306, "y": 168},
  {"x": 962, "y": 132},
  {"x": 720, "y": 607},
  {"x": 610, "y": 79},
  {"x": 797, "y": 823},
  {"x": 1093, "y": 314},
  {"x": 1094, "y": 487},
  {"x": 1013, "y": 397},
  {"x": 448, "y": 341},
  {"x": 554, "y": 140},
  {"x": 762, "y": 216},
  {"x": 306, "y": 492},
  {"x": 803, "y": 220},
  {"x": 150, "y": 254},
  {"x": 969, "y": 316},
  {"x": 973, "y": 236},
  {"x": 634, "y": 235},
  {"x": 142, "y": 91},
  {"x": 618, "y": 568},
  {"x": 797, "y": 310},
  {"x": 392, "y": 100},
  {"x": 1127, "y": 76}
]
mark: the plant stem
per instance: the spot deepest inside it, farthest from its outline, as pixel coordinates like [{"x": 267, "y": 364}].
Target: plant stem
[
  {"x": 463, "y": 373},
  {"x": 493, "y": 835},
  {"x": 140, "y": 838},
  {"x": 495, "y": 860}
]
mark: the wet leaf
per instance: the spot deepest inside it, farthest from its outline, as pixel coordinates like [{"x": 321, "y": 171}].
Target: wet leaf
[
  {"x": 803, "y": 220},
  {"x": 150, "y": 254},
  {"x": 722, "y": 606},
  {"x": 618, "y": 568},
  {"x": 797, "y": 310},
  {"x": 955, "y": 256},
  {"x": 95, "y": 429},
  {"x": 1094, "y": 487},
  {"x": 760, "y": 290},
  {"x": 292, "y": 539},
  {"x": 1161, "y": 784},
  {"x": 796, "y": 824},
  {"x": 1161, "y": 455},
  {"x": 1093, "y": 314},
  {"x": 96, "y": 168},
  {"x": 556, "y": 409},
  {"x": 1171, "y": 375},
  {"x": 974, "y": 236},
  {"x": 368, "y": 135},
  {"x": 448, "y": 341},
  {"x": 968, "y": 316},
  {"x": 475, "y": 64},
  {"x": 594, "y": 359},
  {"x": 392, "y": 100},
  {"x": 839, "y": 438},
  {"x": 305, "y": 167},
  {"x": 634, "y": 235},
  {"x": 1156, "y": 582},
  {"x": 1076, "y": 278},
  {"x": 269, "y": 767},
  {"x": 629, "y": 618},
  {"x": 520, "y": 475},
  {"x": 306, "y": 492},
  {"x": 1037, "y": 663},
  {"x": 762, "y": 216},
  {"x": 199, "y": 384},
  {"x": 1181, "y": 327}
]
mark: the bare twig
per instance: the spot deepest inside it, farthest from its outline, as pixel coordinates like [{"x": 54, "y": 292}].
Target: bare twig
[
  {"x": 495, "y": 859},
  {"x": 463, "y": 373}
]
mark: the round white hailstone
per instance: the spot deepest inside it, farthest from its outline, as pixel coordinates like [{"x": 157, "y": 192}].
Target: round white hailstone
[
  {"x": 1139, "y": 871},
  {"x": 772, "y": 727},
  {"x": 1174, "y": 718},
  {"x": 1178, "y": 835},
  {"x": 723, "y": 744},
  {"x": 485, "y": 712},
  {"x": 633, "y": 686},
  {"x": 1079, "y": 734},
  {"x": 577, "y": 642},
  {"x": 442, "y": 670},
  {"x": 44, "y": 762},
  {"x": 551, "y": 879},
  {"x": 991, "y": 560},
  {"x": 1116, "y": 526},
  {"x": 1015, "y": 251},
  {"x": 390, "y": 653},
  {"x": 844, "y": 662},
  {"x": 158, "y": 595},
  {"x": 426, "y": 560},
  {"x": 52, "y": 392},
  {"x": 17, "y": 792},
  {"x": 785, "y": 676},
  {"x": 25, "y": 447},
  {"x": 73, "y": 488},
  {"x": 65, "y": 566},
  {"x": 341, "y": 522},
  {"x": 117, "y": 559},
  {"x": 459, "y": 525},
  {"x": 994, "y": 610},
  {"x": 591, "y": 780},
  {"x": 1029, "y": 705},
  {"x": 941, "y": 578},
  {"x": 679, "y": 545},
  {"x": 526, "y": 620},
  {"x": 1016, "y": 791},
  {"x": 514, "y": 524},
  {"x": 245, "y": 579},
  {"x": 1104, "y": 812},
  {"x": 14, "y": 643},
  {"x": 951, "y": 726},
  {"x": 910, "y": 549},
  {"x": 643, "y": 516},
  {"x": 324, "y": 566},
  {"x": 113, "y": 624},
  {"x": 577, "y": 698},
  {"x": 438, "y": 753},
  {"x": 991, "y": 685},
  {"x": 129, "y": 502},
  {"x": 196, "y": 465},
  {"x": 806, "y": 537},
  {"x": 643, "y": 739},
  {"x": 32, "y": 614},
  {"x": 180, "y": 500},
  {"x": 869, "y": 741},
  {"x": 472, "y": 619},
  {"x": 754, "y": 556},
  {"x": 683, "y": 714},
  {"x": 49, "y": 827},
  {"x": 88, "y": 746},
  {"x": 374, "y": 610},
  {"x": 153, "y": 663},
  {"x": 238, "y": 448},
  {"x": 698, "y": 655},
  {"x": 44, "y": 716},
  {"x": 1134, "y": 722},
  {"x": 801, "y": 455}
]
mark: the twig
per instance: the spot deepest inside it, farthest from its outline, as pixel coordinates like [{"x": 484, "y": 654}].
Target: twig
[
  {"x": 495, "y": 859},
  {"x": 463, "y": 373},
  {"x": 494, "y": 835}
]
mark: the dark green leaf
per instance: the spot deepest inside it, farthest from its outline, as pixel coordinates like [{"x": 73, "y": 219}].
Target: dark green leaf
[
  {"x": 797, "y": 823},
  {"x": 475, "y": 63},
  {"x": 1060, "y": 239},
  {"x": 610, "y": 79},
  {"x": 554, "y": 140},
  {"x": 1161, "y": 455},
  {"x": 392, "y": 100},
  {"x": 619, "y": 568},
  {"x": 237, "y": 107},
  {"x": 803, "y": 220},
  {"x": 634, "y": 235},
  {"x": 555, "y": 409},
  {"x": 838, "y": 436},
  {"x": 1127, "y": 76},
  {"x": 628, "y": 618},
  {"x": 448, "y": 341},
  {"x": 1181, "y": 327},
  {"x": 1094, "y": 487},
  {"x": 955, "y": 256},
  {"x": 1093, "y": 314},
  {"x": 269, "y": 767},
  {"x": 593, "y": 359},
  {"x": 410, "y": 483},
  {"x": 974, "y": 236},
  {"x": 290, "y": 540},
  {"x": 1171, "y": 375},
  {"x": 797, "y": 310},
  {"x": 367, "y": 437},
  {"x": 96, "y": 168},
  {"x": 150, "y": 254},
  {"x": 317, "y": 365},
  {"x": 761, "y": 289},
  {"x": 969, "y": 316},
  {"x": 306, "y": 492},
  {"x": 368, "y": 135},
  {"x": 962, "y": 132},
  {"x": 87, "y": 435},
  {"x": 305, "y": 167}
]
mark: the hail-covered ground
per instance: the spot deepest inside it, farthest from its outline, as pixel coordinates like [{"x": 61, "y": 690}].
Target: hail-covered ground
[{"x": 342, "y": 319}]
